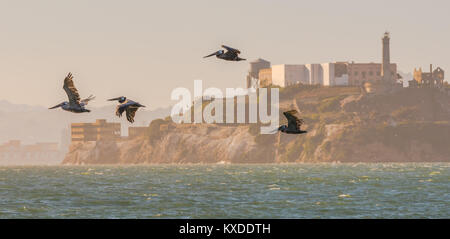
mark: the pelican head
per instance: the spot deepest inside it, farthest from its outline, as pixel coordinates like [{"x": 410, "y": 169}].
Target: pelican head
[
  {"x": 60, "y": 105},
  {"x": 220, "y": 52},
  {"x": 121, "y": 99},
  {"x": 282, "y": 128}
]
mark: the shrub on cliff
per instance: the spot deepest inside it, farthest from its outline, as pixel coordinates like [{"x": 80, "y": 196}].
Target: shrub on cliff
[
  {"x": 406, "y": 113},
  {"x": 311, "y": 118},
  {"x": 330, "y": 104},
  {"x": 311, "y": 142},
  {"x": 289, "y": 92},
  {"x": 154, "y": 131}
]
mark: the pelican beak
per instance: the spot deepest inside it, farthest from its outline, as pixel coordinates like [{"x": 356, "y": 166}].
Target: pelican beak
[
  {"x": 212, "y": 54},
  {"x": 56, "y": 106},
  {"x": 113, "y": 99}
]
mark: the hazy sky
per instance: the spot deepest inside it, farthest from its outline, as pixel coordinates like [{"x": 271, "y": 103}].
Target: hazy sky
[{"x": 144, "y": 49}]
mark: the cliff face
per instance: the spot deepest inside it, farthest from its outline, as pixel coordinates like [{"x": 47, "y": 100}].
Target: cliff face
[
  {"x": 409, "y": 125},
  {"x": 183, "y": 144}
]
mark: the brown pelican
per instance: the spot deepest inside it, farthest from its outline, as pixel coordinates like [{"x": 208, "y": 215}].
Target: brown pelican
[
  {"x": 294, "y": 123},
  {"x": 75, "y": 104},
  {"x": 127, "y": 105},
  {"x": 230, "y": 55}
]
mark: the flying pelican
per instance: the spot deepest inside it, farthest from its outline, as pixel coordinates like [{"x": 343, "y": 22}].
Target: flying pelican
[
  {"x": 127, "y": 105},
  {"x": 230, "y": 55},
  {"x": 294, "y": 123},
  {"x": 75, "y": 105}
]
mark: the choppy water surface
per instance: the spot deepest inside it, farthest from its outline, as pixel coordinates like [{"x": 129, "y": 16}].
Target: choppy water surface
[{"x": 227, "y": 191}]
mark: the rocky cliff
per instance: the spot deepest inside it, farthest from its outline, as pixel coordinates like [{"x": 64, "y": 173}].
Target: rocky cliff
[{"x": 344, "y": 124}]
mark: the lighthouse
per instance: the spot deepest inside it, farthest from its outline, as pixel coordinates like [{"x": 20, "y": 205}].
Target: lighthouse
[{"x": 386, "y": 65}]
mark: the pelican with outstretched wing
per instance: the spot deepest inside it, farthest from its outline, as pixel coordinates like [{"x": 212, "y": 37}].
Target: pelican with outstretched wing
[
  {"x": 230, "y": 55},
  {"x": 130, "y": 107},
  {"x": 75, "y": 103},
  {"x": 294, "y": 123}
]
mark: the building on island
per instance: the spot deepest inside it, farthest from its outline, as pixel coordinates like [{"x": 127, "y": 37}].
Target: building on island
[
  {"x": 253, "y": 73},
  {"x": 100, "y": 130},
  {"x": 360, "y": 73},
  {"x": 286, "y": 75},
  {"x": 433, "y": 78},
  {"x": 265, "y": 77},
  {"x": 341, "y": 74},
  {"x": 327, "y": 74}
]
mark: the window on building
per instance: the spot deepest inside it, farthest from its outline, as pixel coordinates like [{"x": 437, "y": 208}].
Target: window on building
[
  {"x": 356, "y": 73},
  {"x": 370, "y": 73}
]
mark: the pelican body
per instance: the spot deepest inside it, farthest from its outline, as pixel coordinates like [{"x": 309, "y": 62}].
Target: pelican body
[
  {"x": 130, "y": 107},
  {"x": 230, "y": 55},
  {"x": 71, "y": 108},
  {"x": 294, "y": 124},
  {"x": 75, "y": 104}
]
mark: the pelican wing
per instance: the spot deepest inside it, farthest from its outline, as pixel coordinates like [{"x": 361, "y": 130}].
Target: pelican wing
[
  {"x": 71, "y": 91},
  {"x": 131, "y": 112},
  {"x": 235, "y": 51},
  {"x": 85, "y": 101},
  {"x": 294, "y": 123},
  {"x": 120, "y": 109}
]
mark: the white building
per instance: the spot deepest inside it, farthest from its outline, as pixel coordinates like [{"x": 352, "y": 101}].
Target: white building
[
  {"x": 310, "y": 74},
  {"x": 315, "y": 74},
  {"x": 342, "y": 80},
  {"x": 285, "y": 75},
  {"x": 328, "y": 76}
]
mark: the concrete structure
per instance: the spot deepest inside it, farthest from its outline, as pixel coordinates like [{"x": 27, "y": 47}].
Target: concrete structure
[
  {"x": 340, "y": 74},
  {"x": 328, "y": 75},
  {"x": 253, "y": 73},
  {"x": 314, "y": 74},
  {"x": 285, "y": 75},
  {"x": 341, "y": 81},
  {"x": 360, "y": 73},
  {"x": 265, "y": 77},
  {"x": 100, "y": 130},
  {"x": 337, "y": 73},
  {"x": 14, "y": 153},
  {"x": 309, "y": 74},
  {"x": 433, "y": 78},
  {"x": 134, "y": 132}
]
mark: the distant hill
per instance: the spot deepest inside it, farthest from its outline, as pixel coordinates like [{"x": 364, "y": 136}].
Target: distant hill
[
  {"x": 32, "y": 124},
  {"x": 6, "y": 106}
]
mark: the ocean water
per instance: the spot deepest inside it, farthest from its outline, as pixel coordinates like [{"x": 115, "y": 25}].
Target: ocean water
[{"x": 227, "y": 191}]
